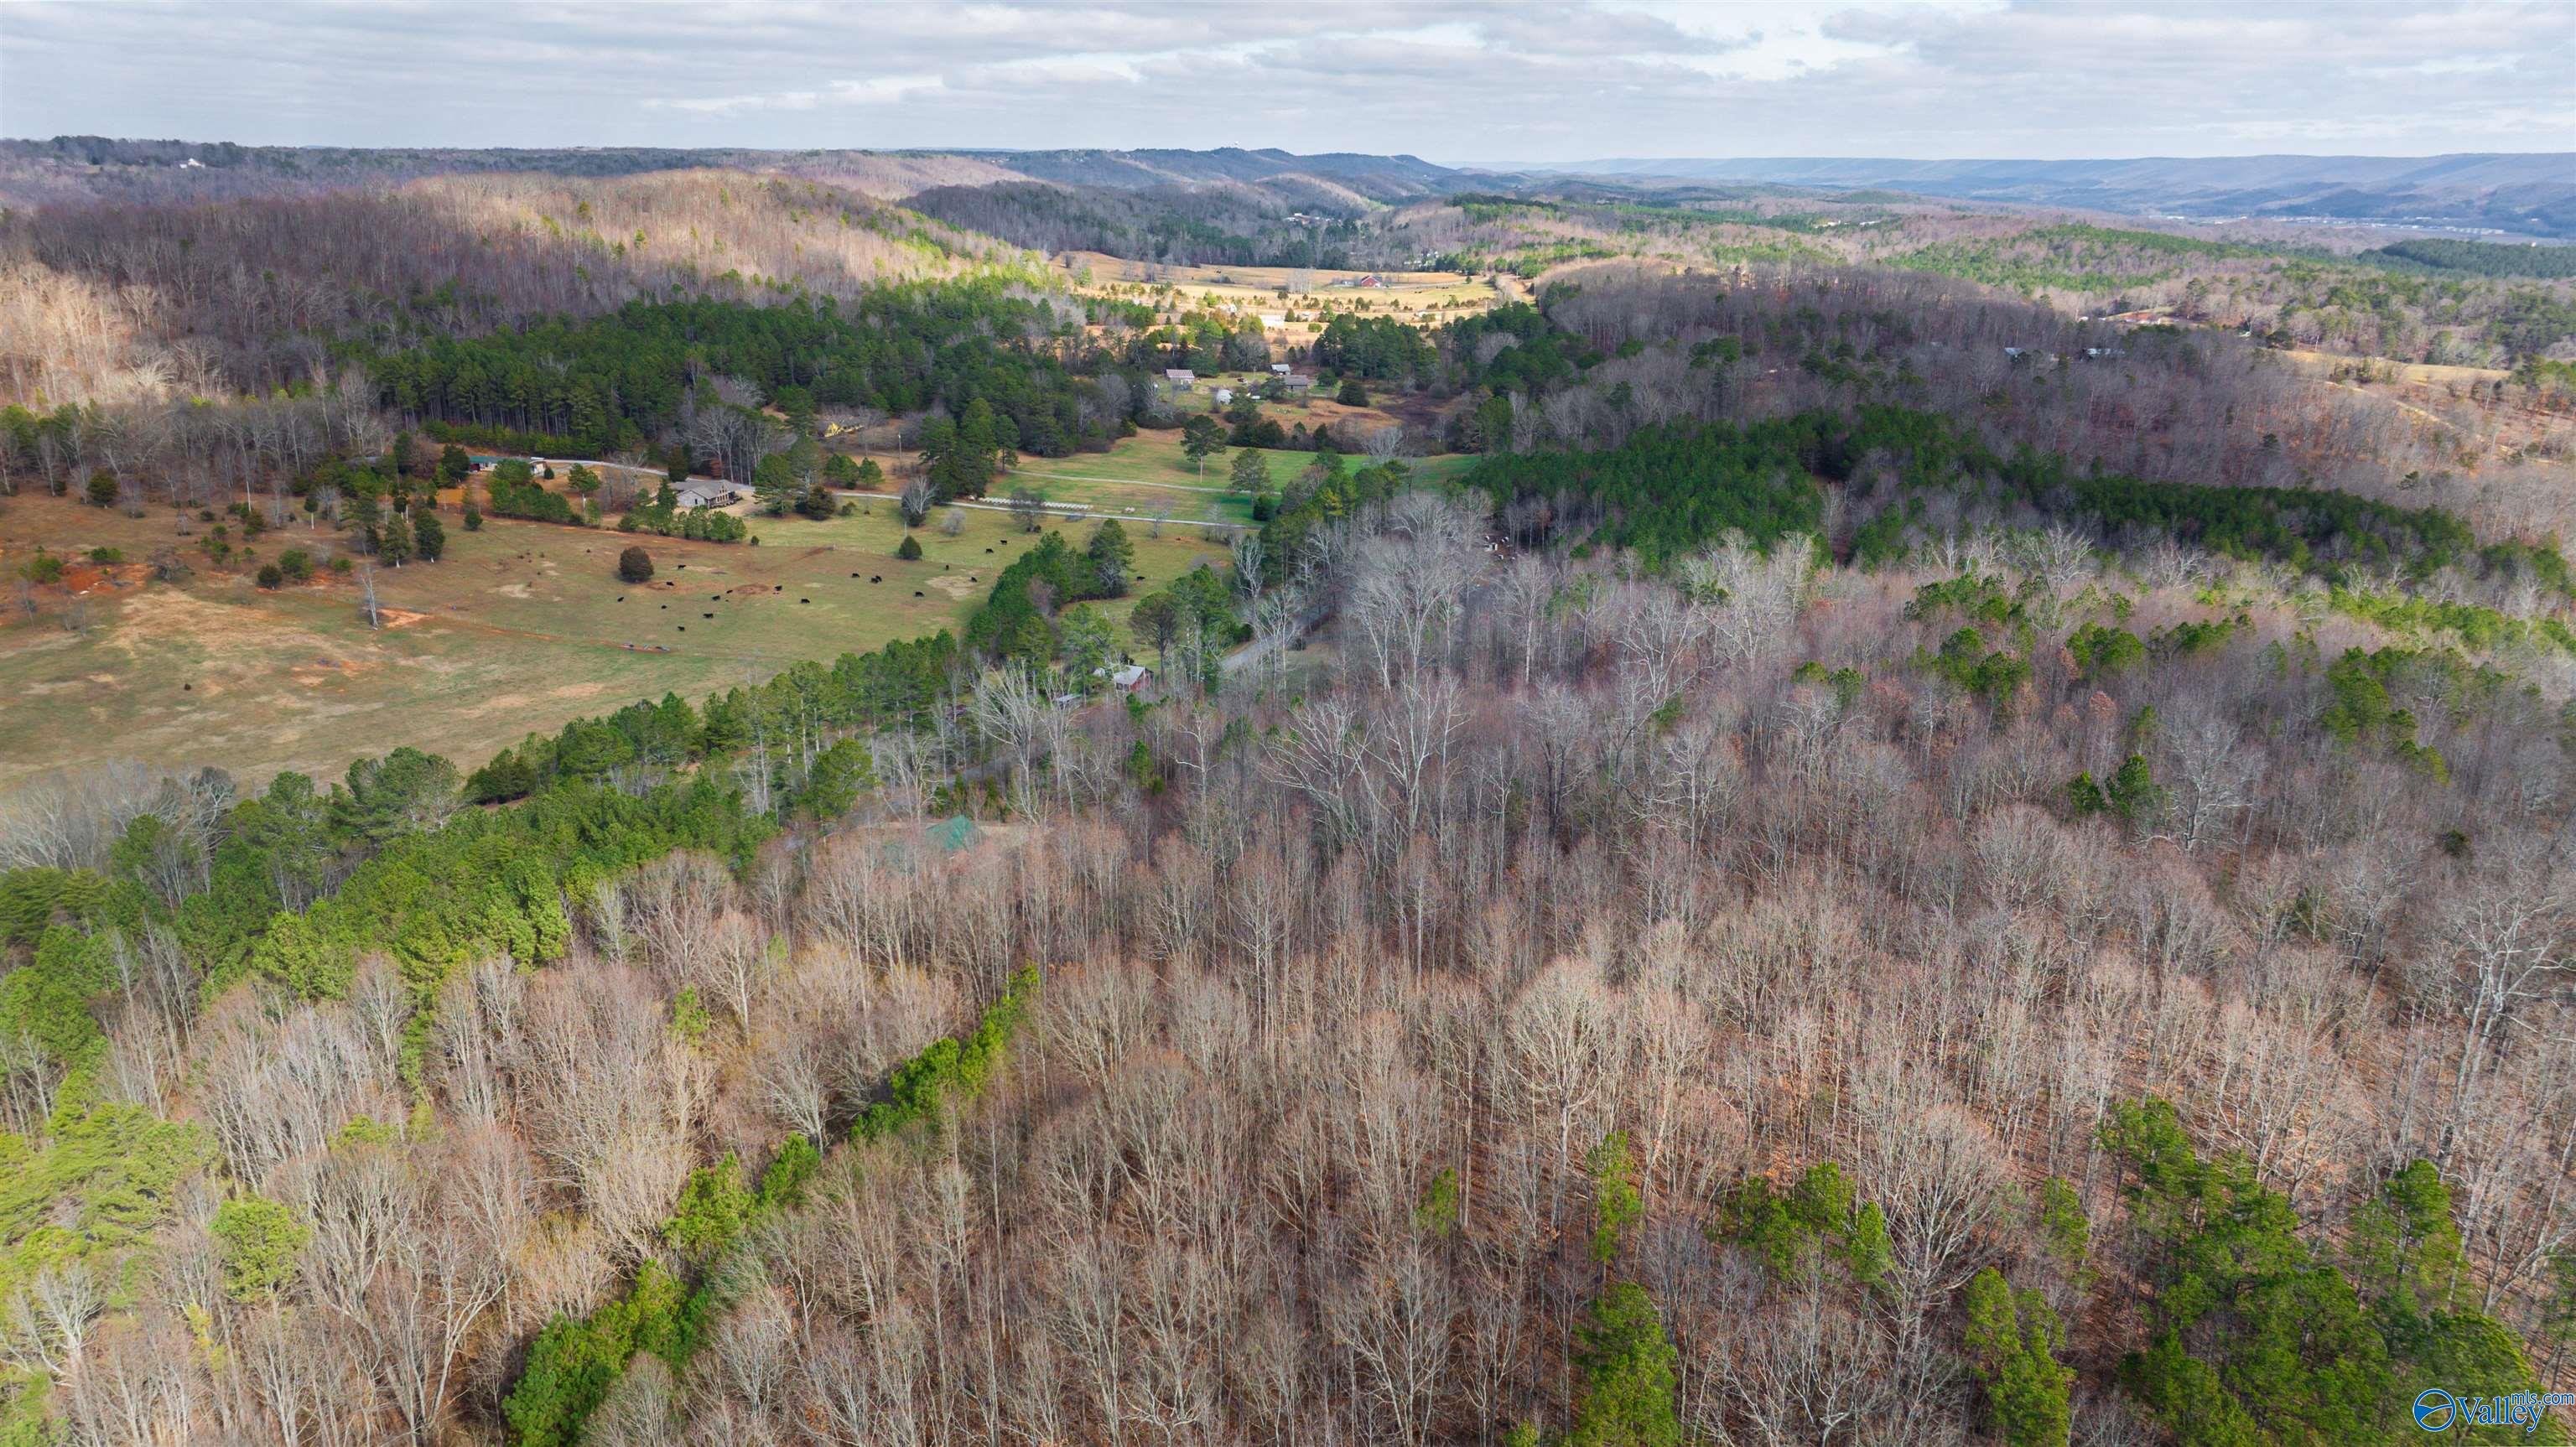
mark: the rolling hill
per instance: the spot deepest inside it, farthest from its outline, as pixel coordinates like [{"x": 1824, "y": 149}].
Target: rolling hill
[{"x": 2532, "y": 195}]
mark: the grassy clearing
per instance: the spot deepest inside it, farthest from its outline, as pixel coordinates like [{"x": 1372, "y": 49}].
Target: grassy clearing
[
  {"x": 1422, "y": 298},
  {"x": 1402, "y": 290},
  {"x": 521, "y": 628},
  {"x": 1147, "y": 473},
  {"x": 2429, "y": 374},
  {"x": 1139, "y": 504}
]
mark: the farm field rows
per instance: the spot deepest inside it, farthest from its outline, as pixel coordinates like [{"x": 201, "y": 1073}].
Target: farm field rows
[{"x": 522, "y": 627}]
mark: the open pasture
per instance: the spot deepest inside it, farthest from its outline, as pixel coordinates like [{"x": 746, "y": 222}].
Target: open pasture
[
  {"x": 522, "y": 627},
  {"x": 1425, "y": 298}
]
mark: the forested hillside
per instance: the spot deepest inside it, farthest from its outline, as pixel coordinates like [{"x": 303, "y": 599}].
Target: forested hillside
[
  {"x": 2525, "y": 194},
  {"x": 1698, "y": 1005},
  {"x": 1233, "y": 225},
  {"x": 2435, "y": 300},
  {"x": 140, "y": 302},
  {"x": 1886, "y": 862}
]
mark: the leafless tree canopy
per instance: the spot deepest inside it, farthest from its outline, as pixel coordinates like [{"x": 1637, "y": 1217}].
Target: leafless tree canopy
[
  {"x": 1364, "y": 951},
  {"x": 1483, "y": 890}
]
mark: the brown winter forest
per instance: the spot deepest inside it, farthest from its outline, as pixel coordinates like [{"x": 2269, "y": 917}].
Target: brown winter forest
[{"x": 1885, "y": 860}]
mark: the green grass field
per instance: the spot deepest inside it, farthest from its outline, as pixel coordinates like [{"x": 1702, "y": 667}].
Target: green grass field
[
  {"x": 1148, "y": 472},
  {"x": 522, "y": 627}
]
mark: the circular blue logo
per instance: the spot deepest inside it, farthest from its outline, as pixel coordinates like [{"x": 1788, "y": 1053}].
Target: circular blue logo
[{"x": 2435, "y": 1409}]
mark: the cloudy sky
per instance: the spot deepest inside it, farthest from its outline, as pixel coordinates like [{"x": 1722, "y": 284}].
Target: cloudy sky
[{"x": 1449, "y": 82}]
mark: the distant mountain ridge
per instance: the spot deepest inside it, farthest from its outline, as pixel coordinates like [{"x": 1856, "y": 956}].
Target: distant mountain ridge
[
  {"x": 1379, "y": 178},
  {"x": 69, "y": 170},
  {"x": 2528, "y": 194}
]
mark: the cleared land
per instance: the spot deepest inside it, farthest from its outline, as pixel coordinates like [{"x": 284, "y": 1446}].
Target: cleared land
[
  {"x": 2426, "y": 374},
  {"x": 1148, "y": 473},
  {"x": 522, "y": 627},
  {"x": 1425, "y": 298},
  {"x": 1239, "y": 283}
]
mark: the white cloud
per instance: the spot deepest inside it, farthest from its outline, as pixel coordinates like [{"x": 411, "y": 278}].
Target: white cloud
[{"x": 1446, "y": 79}]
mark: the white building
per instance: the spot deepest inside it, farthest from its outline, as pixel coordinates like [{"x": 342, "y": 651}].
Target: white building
[{"x": 707, "y": 494}]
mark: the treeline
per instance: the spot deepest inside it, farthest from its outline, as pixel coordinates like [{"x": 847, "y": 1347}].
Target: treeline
[
  {"x": 781, "y": 729},
  {"x": 2184, "y": 405},
  {"x": 2478, "y": 258},
  {"x": 1670, "y": 488},
  {"x": 795, "y": 742},
  {"x": 2314, "y": 530},
  {"x": 291, "y": 887},
  {"x": 614, "y": 382}
]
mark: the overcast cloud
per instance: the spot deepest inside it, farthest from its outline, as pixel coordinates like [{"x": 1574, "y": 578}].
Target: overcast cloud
[{"x": 1446, "y": 81}]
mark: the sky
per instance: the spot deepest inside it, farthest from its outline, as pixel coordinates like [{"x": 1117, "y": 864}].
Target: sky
[{"x": 1450, "y": 82}]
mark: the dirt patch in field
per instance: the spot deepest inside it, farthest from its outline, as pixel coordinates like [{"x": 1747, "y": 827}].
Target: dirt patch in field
[
  {"x": 222, "y": 631},
  {"x": 82, "y": 579},
  {"x": 954, "y": 586},
  {"x": 331, "y": 670}
]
